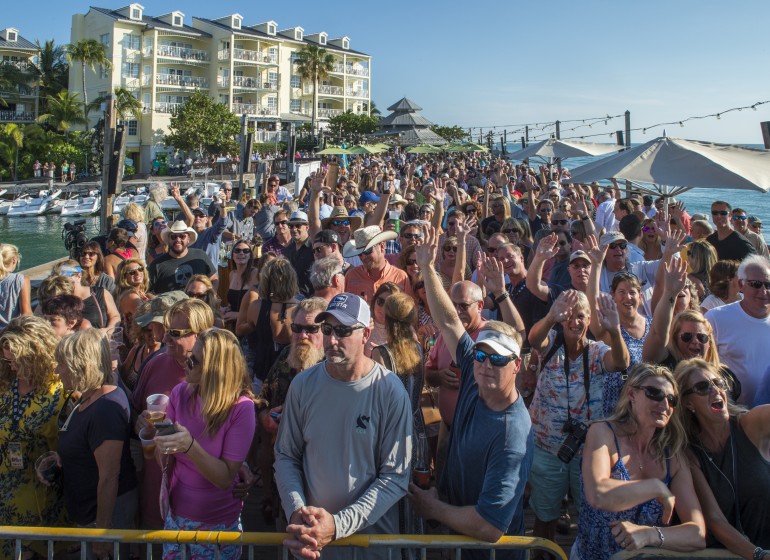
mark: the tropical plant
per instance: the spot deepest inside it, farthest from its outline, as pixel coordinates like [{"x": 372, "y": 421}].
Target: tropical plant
[
  {"x": 64, "y": 111},
  {"x": 450, "y": 133},
  {"x": 314, "y": 64},
  {"x": 13, "y": 137},
  {"x": 204, "y": 126},
  {"x": 89, "y": 53},
  {"x": 51, "y": 71},
  {"x": 11, "y": 79},
  {"x": 351, "y": 127},
  {"x": 374, "y": 110},
  {"x": 126, "y": 105}
]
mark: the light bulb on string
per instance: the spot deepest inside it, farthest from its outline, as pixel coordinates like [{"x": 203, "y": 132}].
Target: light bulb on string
[
  {"x": 681, "y": 124},
  {"x": 719, "y": 117},
  {"x": 754, "y": 107}
]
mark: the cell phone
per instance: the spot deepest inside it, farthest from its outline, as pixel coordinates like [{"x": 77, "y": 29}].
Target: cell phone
[
  {"x": 332, "y": 175},
  {"x": 165, "y": 428}
]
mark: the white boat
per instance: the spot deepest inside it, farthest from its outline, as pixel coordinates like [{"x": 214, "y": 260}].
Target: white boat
[
  {"x": 206, "y": 193},
  {"x": 83, "y": 205},
  {"x": 139, "y": 197},
  {"x": 34, "y": 205},
  {"x": 4, "y": 204}
]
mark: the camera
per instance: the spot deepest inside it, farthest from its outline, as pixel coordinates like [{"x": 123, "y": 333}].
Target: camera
[
  {"x": 576, "y": 435},
  {"x": 75, "y": 238}
]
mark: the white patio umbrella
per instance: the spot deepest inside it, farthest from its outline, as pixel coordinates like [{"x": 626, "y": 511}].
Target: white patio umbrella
[
  {"x": 564, "y": 149},
  {"x": 672, "y": 165}
]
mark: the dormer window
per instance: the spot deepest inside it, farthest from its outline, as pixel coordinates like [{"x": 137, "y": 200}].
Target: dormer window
[
  {"x": 297, "y": 34},
  {"x": 12, "y": 36},
  {"x": 322, "y": 39},
  {"x": 135, "y": 12},
  {"x": 176, "y": 21},
  {"x": 270, "y": 29},
  {"x": 237, "y": 22},
  {"x": 345, "y": 44}
]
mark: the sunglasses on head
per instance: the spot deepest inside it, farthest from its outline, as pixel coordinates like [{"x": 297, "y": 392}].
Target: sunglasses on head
[
  {"x": 340, "y": 331},
  {"x": 687, "y": 337},
  {"x": 345, "y": 222},
  {"x": 704, "y": 387},
  {"x": 657, "y": 395},
  {"x": 719, "y": 212},
  {"x": 757, "y": 284},
  {"x": 309, "y": 329},
  {"x": 495, "y": 359},
  {"x": 178, "y": 333},
  {"x": 618, "y": 244}
]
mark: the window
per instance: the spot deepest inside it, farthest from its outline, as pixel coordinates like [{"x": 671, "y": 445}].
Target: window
[
  {"x": 298, "y": 34},
  {"x": 272, "y": 77},
  {"x": 105, "y": 39},
  {"x": 133, "y": 127},
  {"x": 132, "y": 42},
  {"x": 296, "y": 81},
  {"x": 271, "y": 29},
  {"x": 236, "y": 23},
  {"x": 147, "y": 99},
  {"x": 345, "y": 44},
  {"x": 322, "y": 39},
  {"x": 295, "y": 105},
  {"x": 136, "y": 13},
  {"x": 273, "y": 52},
  {"x": 130, "y": 70},
  {"x": 272, "y": 104},
  {"x": 12, "y": 36},
  {"x": 177, "y": 21},
  {"x": 104, "y": 73}
]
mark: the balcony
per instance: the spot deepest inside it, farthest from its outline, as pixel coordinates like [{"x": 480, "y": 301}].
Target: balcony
[
  {"x": 323, "y": 90},
  {"x": 174, "y": 80},
  {"x": 163, "y": 107},
  {"x": 338, "y": 68},
  {"x": 243, "y": 55},
  {"x": 13, "y": 116},
  {"x": 20, "y": 91},
  {"x": 350, "y": 69},
  {"x": 357, "y": 93},
  {"x": 193, "y": 55},
  {"x": 327, "y": 113},
  {"x": 20, "y": 64},
  {"x": 254, "y": 109}
]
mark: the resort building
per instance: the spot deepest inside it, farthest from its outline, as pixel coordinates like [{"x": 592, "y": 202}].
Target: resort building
[
  {"x": 163, "y": 59},
  {"x": 21, "y": 103}
]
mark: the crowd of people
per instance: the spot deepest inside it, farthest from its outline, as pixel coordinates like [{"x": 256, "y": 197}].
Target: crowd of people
[
  {"x": 66, "y": 173},
  {"x": 443, "y": 339}
]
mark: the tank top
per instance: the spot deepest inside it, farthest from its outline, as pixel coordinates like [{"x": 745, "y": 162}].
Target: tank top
[
  {"x": 595, "y": 540},
  {"x": 234, "y": 298},
  {"x": 10, "y": 297},
  {"x": 613, "y": 382},
  {"x": 748, "y": 487},
  {"x": 261, "y": 344},
  {"x": 94, "y": 308}
]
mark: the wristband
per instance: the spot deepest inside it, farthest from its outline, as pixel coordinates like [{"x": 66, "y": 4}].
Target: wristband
[
  {"x": 586, "y": 217},
  {"x": 191, "y": 444},
  {"x": 759, "y": 553},
  {"x": 502, "y": 297},
  {"x": 660, "y": 536}
]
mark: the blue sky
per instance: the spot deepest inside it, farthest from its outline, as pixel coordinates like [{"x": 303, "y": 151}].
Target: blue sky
[{"x": 487, "y": 63}]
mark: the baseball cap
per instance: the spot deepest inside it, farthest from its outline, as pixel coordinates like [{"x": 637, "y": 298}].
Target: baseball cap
[
  {"x": 158, "y": 307},
  {"x": 327, "y": 236},
  {"x": 500, "y": 343},
  {"x": 647, "y": 200},
  {"x": 348, "y": 309},
  {"x": 579, "y": 255},
  {"x": 553, "y": 185},
  {"x": 200, "y": 210},
  {"x": 611, "y": 237},
  {"x": 368, "y": 196},
  {"x": 129, "y": 225},
  {"x": 298, "y": 217},
  {"x": 753, "y": 220}
]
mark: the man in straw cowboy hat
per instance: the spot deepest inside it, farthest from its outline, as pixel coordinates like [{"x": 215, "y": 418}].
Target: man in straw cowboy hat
[
  {"x": 172, "y": 270},
  {"x": 369, "y": 244}
]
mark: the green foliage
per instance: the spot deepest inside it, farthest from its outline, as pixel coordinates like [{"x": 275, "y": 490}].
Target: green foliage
[
  {"x": 314, "y": 64},
  {"x": 51, "y": 72},
  {"x": 204, "y": 126},
  {"x": 450, "y": 133},
  {"x": 89, "y": 53},
  {"x": 268, "y": 147},
  {"x": 126, "y": 105},
  {"x": 351, "y": 127},
  {"x": 64, "y": 110}
]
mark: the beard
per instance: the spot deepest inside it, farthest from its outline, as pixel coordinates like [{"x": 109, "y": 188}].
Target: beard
[{"x": 304, "y": 354}]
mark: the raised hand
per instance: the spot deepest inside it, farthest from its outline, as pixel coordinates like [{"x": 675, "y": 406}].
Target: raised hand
[
  {"x": 427, "y": 246},
  {"x": 548, "y": 247},
  {"x": 493, "y": 274},
  {"x": 675, "y": 277},
  {"x": 318, "y": 182},
  {"x": 673, "y": 243},
  {"x": 608, "y": 313},
  {"x": 594, "y": 251},
  {"x": 465, "y": 227},
  {"x": 561, "y": 310}
]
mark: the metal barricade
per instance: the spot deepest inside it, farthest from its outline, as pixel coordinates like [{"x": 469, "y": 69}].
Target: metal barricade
[{"x": 420, "y": 543}]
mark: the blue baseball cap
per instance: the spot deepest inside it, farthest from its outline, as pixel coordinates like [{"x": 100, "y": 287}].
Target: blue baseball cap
[
  {"x": 368, "y": 196},
  {"x": 348, "y": 309}
]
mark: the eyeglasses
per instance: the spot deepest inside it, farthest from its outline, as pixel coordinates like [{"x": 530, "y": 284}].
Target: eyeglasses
[
  {"x": 70, "y": 271},
  {"x": 340, "y": 331},
  {"x": 345, "y": 222},
  {"x": 196, "y": 295},
  {"x": 178, "y": 333},
  {"x": 704, "y": 387},
  {"x": 545, "y": 210},
  {"x": 757, "y": 284},
  {"x": 135, "y": 271},
  {"x": 244, "y": 251},
  {"x": 89, "y": 254},
  {"x": 619, "y": 245},
  {"x": 560, "y": 222},
  {"x": 192, "y": 361},
  {"x": 380, "y": 301},
  {"x": 411, "y": 262},
  {"x": 464, "y": 306},
  {"x": 719, "y": 212},
  {"x": 426, "y": 211},
  {"x": 657, "y": 395},
  {"x": 450, "y": 248},
  {"x": 296, "y": 226},
  {"x": 687, "y": 337},
  {"x": 159, "y": 224},
  {"x": 309, "y": 329},
  {"x": 174, "y": 236},
  {"x": 281, "y": 223},
  {"x": 740, "y": 218},
  {"x": 411, "y": 235},
  {"x": 368, "y": 251},
  {"x": 495, "y": 359},
  {"x": 508, "y": 231}
]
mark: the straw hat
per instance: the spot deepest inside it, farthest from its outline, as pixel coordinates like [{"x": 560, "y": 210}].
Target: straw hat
[
  {"x": 179, "y": 227},
  {"x": 366, "y": 238},
  {"x": 340, "y": 212},
  {"x": 397, "y": 199}
]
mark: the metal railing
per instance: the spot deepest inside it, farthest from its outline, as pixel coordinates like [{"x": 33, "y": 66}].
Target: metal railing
[
  {"x": 184, "y": 53},
  {"x": 246, "y": 55},
  {"x": 323, "y": 89},
  {"x": 13, "y": 116},
  {"x": 20, "y": 64},
  {"x": 180, "y": 81},
  {"x": 163, "y": 107},
  {"x": 356, "y": 71},
  {"x": 420, "y": 543},
  {"x": 356, "y": 93}
]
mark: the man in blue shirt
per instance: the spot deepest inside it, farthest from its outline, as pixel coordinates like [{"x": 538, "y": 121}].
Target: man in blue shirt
[
  {"x": 491, "y": 443},
  {"x": 208, "y": 237}
]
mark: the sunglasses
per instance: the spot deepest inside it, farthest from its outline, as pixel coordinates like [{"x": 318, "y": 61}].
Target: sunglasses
[
  {"x": 619, "y": 244},
  {"x": 244, "y": 251},
  {"x": 309, "y": 329},
  {"x": 178, "y": 236},
  {"x": 740, "y": 218},
  {"x": 657, "y": 395},
  {"x": 507, "y": 231},
  {"x": 229, "y": 190},
  {"x": 463, "y": 306},
  {"x": 192, "y": 361},
  {"x": 281, "y": 223},
  {"x": 411, "y": 235},
  {"x": 296, "y": 226},
  {"x": 490, "y": 249},
  {"x": 135, "y": 271},
  {"x": 90, "y": 254},
  {"x": 560, "y": 222},
  {"x": 757, "y": 284},
  {"x": 704, "y": 387},
  {"x": 687, "y": 337},
  {"x": 450, "y": 249},
  {"x": 719, "y": 212},
  {"x": 368, "y": 251},
  {"x": 345, "y": 222},
  {"x": 196, "y": 295},
  {"x": 495, "y": 359},
  {"x": 340, "y": 331},
  {"x": 545, "y": 210},
  {"x": 411, "y": 262},
  {"x": 178, "y": 333},
  {"x": 647, "y": 229},
  {"x": 380, "y": 301},
  {"x": 159, "y": 224}
]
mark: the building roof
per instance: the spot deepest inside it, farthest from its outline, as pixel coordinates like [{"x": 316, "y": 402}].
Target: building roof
[
  {"x": 244, "y": 30},
  {"x": 21, "y": 43},
  {"x": 416, "y": 136},
  {"x": 414, "y": 128},
  {"x": 151, "y": 22},
  {"x": 407, "y": 120},
  {"x": 405, "y": 104}
]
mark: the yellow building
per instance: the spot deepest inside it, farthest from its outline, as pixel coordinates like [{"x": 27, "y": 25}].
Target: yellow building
[
  {"x": 21, "y": 103},
  {"x": 162, "y": 60}
]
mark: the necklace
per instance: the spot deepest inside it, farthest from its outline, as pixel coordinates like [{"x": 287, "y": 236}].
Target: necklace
[{"x": 713, "y": 463}]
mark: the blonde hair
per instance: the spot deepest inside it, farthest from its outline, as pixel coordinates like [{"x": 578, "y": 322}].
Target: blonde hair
[
  {"x": 668, "y": 441},
  {"x": 701, "y": 256},
  {"x": 85, "y": 360},
  {"x": 132, "y": 211},
  {"x": 211, "y": 298},
  {"x": 224, "y": 377},
  {"x": 7, "y": 254},
  {"x": 121, "y": 278},
  {"x": 55, "y": 285},
  {"x": 32, "y": 341},
  {"x": 199, "y": 315},
  {"x": 400, "y": 319},
  {"x": 692, "y": 316},
  {"x": 278, "y": 281}
]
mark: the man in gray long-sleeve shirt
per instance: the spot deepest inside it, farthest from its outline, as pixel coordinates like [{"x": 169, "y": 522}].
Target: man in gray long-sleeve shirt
[{"x": 344, "y": 443}]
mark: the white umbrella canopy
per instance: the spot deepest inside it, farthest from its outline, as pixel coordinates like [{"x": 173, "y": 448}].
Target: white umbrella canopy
[
  {"x": 564, "y": 149},
  {"x": 683, "y": 164}
]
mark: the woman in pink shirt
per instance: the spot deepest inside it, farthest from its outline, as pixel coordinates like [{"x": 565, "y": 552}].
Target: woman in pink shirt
[{"x": 213, "y": 414}]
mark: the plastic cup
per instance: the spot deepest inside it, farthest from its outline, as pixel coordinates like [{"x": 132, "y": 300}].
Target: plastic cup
[
  {"x": 147, "y": 437},
  {"x": 156, "y": 406},
  {"x": 47, "y": 466}
]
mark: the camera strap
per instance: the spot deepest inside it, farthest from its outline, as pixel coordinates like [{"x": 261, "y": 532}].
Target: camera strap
[{"x": 586, "y": 379}]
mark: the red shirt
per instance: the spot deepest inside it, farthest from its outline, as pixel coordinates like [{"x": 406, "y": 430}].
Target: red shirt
[{"x": 358, "y": 281}]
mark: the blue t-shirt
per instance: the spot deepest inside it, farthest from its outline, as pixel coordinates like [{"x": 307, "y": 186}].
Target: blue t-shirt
[{"x": 489, "y": 457}]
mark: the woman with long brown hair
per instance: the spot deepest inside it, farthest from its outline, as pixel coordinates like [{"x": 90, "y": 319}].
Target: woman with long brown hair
[{"x": 92, "y": 262}]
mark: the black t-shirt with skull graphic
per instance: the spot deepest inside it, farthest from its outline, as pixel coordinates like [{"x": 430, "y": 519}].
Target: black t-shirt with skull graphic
[{"x": 167, "y": 273}]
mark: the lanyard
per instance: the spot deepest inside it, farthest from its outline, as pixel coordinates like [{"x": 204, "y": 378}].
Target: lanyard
[
  {"x": 586, "y": 381},
  {"x": 19, "y": 406}
]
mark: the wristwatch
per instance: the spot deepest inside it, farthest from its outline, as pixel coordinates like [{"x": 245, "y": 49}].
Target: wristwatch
[{"x": 501, "y": 298}]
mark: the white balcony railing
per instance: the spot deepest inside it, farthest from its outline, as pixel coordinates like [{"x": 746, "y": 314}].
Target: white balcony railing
[
  {"x": 327, "y": 113},
  {"x": 254, "y": 109},
  {"x": 246, "y": 82},
  {"x": 168, "y": 51},
  {"x": 323, "y": 89},
  {"x": 162, "y": 107},
  {"x": 339, "y": 68},
  {"x": 356, "y": 93},
  {"x": 357, "y": 70},
  {"x": 181, "y": 81},
  {"x": 13, "y": 116},
  {"x": 262, "y": 136},
  {"x": 20, "y": 64},
  {"x": 245, "y": 55}
]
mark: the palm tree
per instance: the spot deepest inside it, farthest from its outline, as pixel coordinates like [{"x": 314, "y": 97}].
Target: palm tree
[
  {"x": 374, "y": 111},
  {"x": 63, "y": 111},
  {"x": 11, "y": 78},
  {"x": 51, "y": 71},
  {"x": 89, "y": 52},
  {"x": 13, "y": 137},
  {"x": 126, "y": 105},
  {"x": 314, "y": 64}
]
